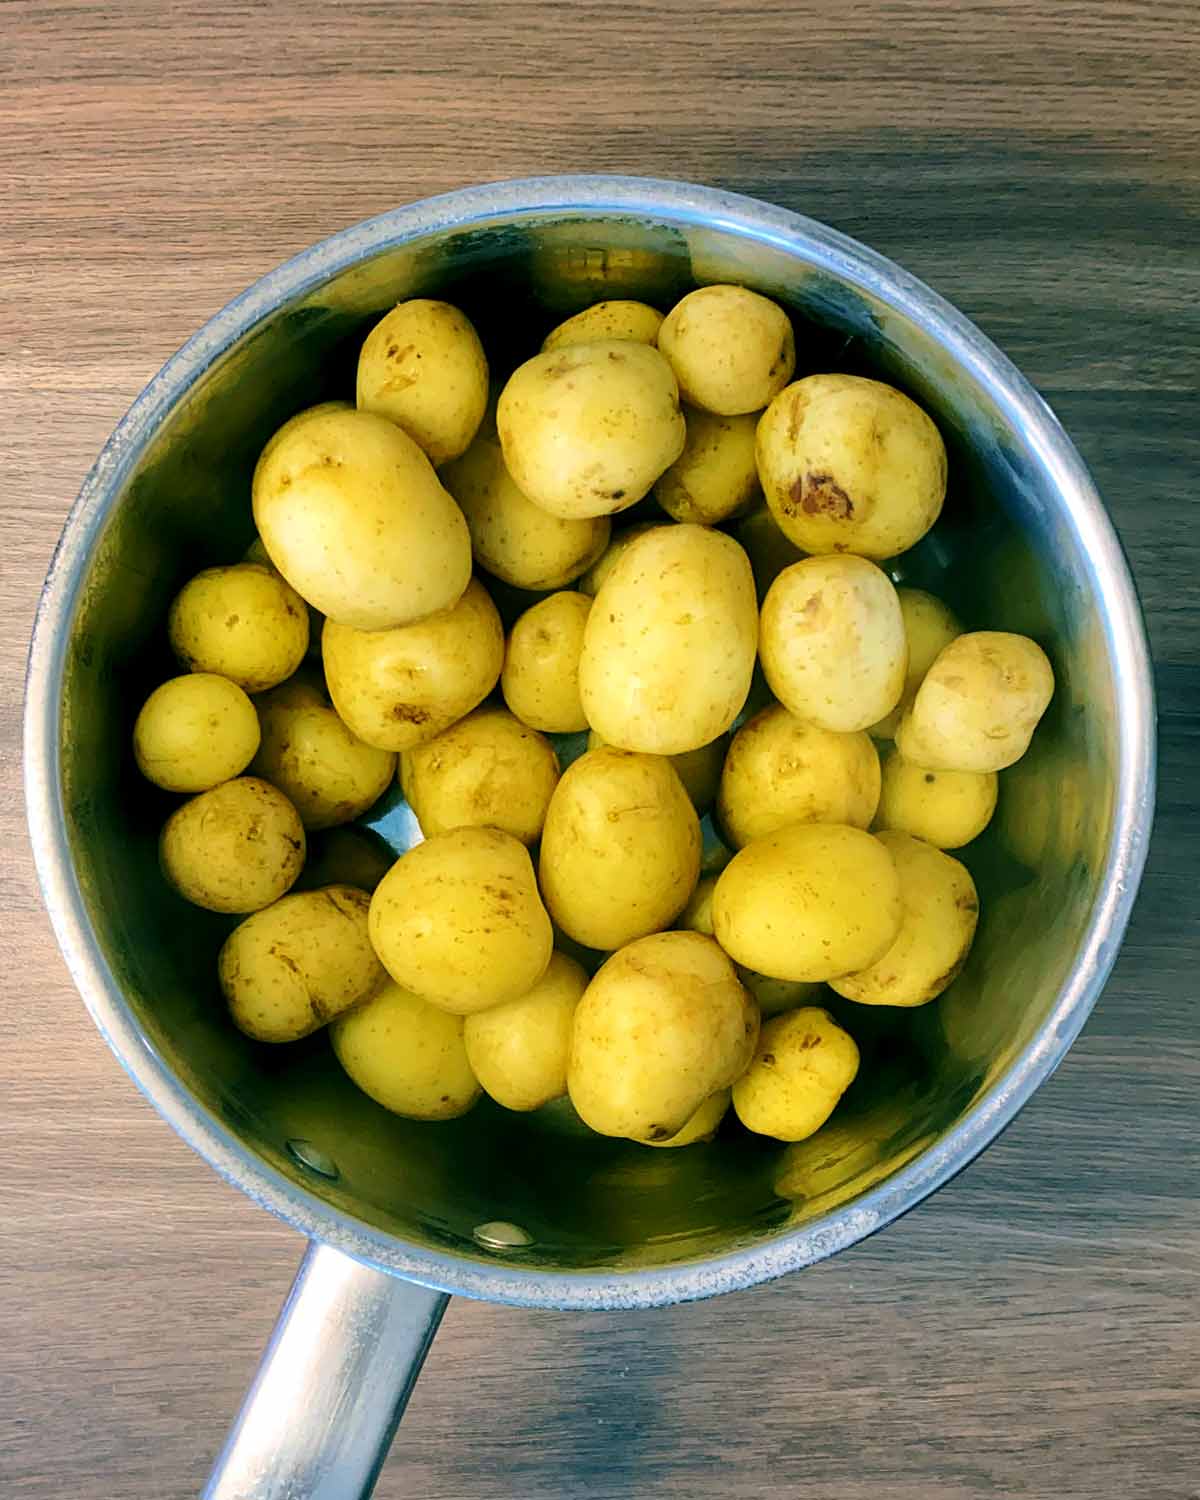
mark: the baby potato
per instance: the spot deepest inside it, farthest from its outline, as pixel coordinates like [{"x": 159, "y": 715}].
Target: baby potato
[
  {"x": 774, "y": 996},
  {"x": 696, "y": 916},
  {"x": 458, "y": 920},
  {"x": 398, "y": 688},
  {"x": 294, "y": 966},
  {"x": 407, "y": 1055},
  {"x": 832, "y": 642},
  {"x": 978, "y": 705},
  {"x": 617, "y": 319},
  {"x": 236, "y": 848},
  {"x": 241, "y": 622},
  {"x": 353, "y": 516},
  {"x": 540, "y": 678},
  {"x": 422, "y": 366},
  {"x": 765, "y": 545},
  {"x": 945, "y": 808},
  {"x": 347, "y": 855},
  {"x": 715, "y": 476},
  {"x": 929, "y": 625},
  {"x": 802, "y": 1066},
  {"x": 662, "y": 1027},
  {"x": 941, "y": 910},
  {"x": 731, "y": 349},
  {"x": 703, "y": 1124},
  {"x": 518, "y": 1050},
  {"x": 587, "y": 429},
  {"x": 590, "y": 582},
  {"x": 808, "y": 902},
  {"x": 487, "y": 771},
  {"x": 781, "y": 770},
  {"x": 620, "y": 850},
  {"x": 668, "y": 650},
  {"x": 194, "y": 732},
  {"x": 699, "y": 770},
  {"x": 851, "y": 465}
]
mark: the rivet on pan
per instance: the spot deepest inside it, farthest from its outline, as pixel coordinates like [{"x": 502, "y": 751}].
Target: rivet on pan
[
  {"x": 313, "y": 1158},
  {"x": 497, "y": 1235}
]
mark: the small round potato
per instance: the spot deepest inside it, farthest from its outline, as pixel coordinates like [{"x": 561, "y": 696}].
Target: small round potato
[
  {"x": 766, "y": 546},
  {"x": 540, "y": 680},
  {"x": 699, "y": 770},
  {"x": 851, "y": 465},
  {"x": 945, "y": 808},
  {"x": 979, "y": 704},
  {"x": 808, "y": 902},
  {"x": 487, "y": 771},
  {"x": 291, "y": 968},
  {"x": 243, "y": 622},
  {"x": 519, "y": 1050},
  {"x": 832, "y": 642},
  {"x": 586, "y": 430},
  {"x": 929, "y": 625},
  {"x": 774, "y": 996},
  {"x": 618, "y": 319},
  {"x": 941, "y": 910},
  {"x": 590, "y": 582},
  {"x": 715, "y": 477},
  {"x": 662, "y": 1027},
  {"x": 458, "y": 920},
  {"x": 802, "y": 1066},
  {"x": 235, "y": 849},
  {"x": 422, "y": 366},
  {"x": 398, "y": 688},
  {"x": 696, "y": 916},
  {"x": 703, "y": 1124},
  {"x": 781, "y": 770},
  {"x": 407, "y": 1055},
  {"x": 194, "y": 732},
  {"x": 731, "y": 349}
]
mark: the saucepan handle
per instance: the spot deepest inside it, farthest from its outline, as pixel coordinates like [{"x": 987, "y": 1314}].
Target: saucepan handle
[{"x": 334, "y": 1380}]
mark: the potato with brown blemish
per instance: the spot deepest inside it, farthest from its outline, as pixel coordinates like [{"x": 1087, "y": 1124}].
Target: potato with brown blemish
[
  {"x": 615, "y": 319},
  {"x": 519, "y": 1049},
  {"x": 715, "y": 477},
  {"x": 803, "y": 1064},
  {"x": 194, "y": 732},
  {"x": 732, "y": 350},
  {"x": 242, "y": 622},
  {"x": 540, "y": 677},
  {"x": 929, "y": 627},
  {"x": 945, "y": 808},
  {"x": 235, "y": 849}
]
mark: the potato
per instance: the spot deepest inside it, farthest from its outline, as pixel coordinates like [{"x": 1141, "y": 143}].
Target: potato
[
  {"x": 398, "y": 688},
  {"x": 941, "y": 910},
  {"x": 929, "y": 625},
  {"x": 832, "y": 644},
  {"x": 703, "y": 1124},
  {"x": 422, "y": 366},
  {"x": 620, "y": 851},
  {"x": 618, "y": 319},
  {"x": 661, "y": 1028},
  {"x": 979, "y": 704},
  {"x": 696, "y": 916},
  {"x": 458, "y": 920},
  {"x": 540, "y": 679},
  {"x": 291, "y": 968},
  {"x": 347, "y": 855},
  {"x": 590, "y": 582},
  {"x": 774, "y": 996},
  {"x": 519, "y": 1050},
  {"x": 586, "y": 430},
  {"x": 194, "y": 732},
  {"x": 241, "y": 622},
  {"x": 233, "y": 849},
  {"x": 808, "y": 902},
  {"x": 715, "y": 476},
  {"x": 407, "y": 1055},
  {"x": 668, "y": 651},
  {"x": 945, "y": 808},
  {"x": 699, "y": 770},
  {"x": 731, "y": 349},
  {"x": 489, "y": 770},
  {"x": 802, "y": 1066},
  {"x": 781, "y": 770},
  {"x": 354, "y": 517},
  {"x": 766, "y": 546}
]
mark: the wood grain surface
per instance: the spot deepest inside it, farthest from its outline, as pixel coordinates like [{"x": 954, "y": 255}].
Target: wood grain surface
[{"x": 1033, "y": 1330}]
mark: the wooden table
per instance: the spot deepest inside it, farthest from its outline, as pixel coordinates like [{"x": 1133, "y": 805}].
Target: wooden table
[{"x": 1032, "y": 1331}]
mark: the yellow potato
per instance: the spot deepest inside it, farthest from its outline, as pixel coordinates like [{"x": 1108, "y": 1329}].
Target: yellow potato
[
  {"x": 487, "y": 771},
  {"x": 407, "y": 1055},
  {"x": 355, "y": 519},
  {"x": 929, "y": 625},
  {"x": 590, "y": 582},
  {"x": 731, "y": 349},
  {"x": 662, "y": 1027},
  {"x": 979, "y": 704},
  {"x": 945, "y": 808},
  {"x": 586, "y": 430},
  {"x": 233, "y": 849},
  {"x": 715, "y": 477},
  {"x": 699, "y": 770},
  {"x": 941, "y": 910},
  {"x": 398, "y": 688},
  {"x": 851, "y": 465},
  {"x": 458, "y": 920},
  {"x": 348, "y": 855},
  {"x": 774, "y": 996},
  {"x": 194, "y": 732},
  {"x": 617, "y": 319},
  {"x": 540, "y": 680},
  {"x": 766, "y": 546},
  {"x": 703, "y": 1124},
  {"x": 291, "y": 968},
  {"x": 620, "y": 851},
  {"x": 241, "y": 622},
  {"x": 668, "y": 652},
  {"x": 832, "y": 642},
  {"x": 696, "y": 916},
  {"x": 422, "y": 366},
  {"x": 802, "y": 1066},
  {"x": 781, "y": 770},
  {"x": 808, "y": 902},
  {"x": 519, "y": 1050}
]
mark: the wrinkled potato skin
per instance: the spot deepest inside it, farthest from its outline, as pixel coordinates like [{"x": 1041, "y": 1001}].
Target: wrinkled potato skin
[
  {"x": 617, "y": 319},
  {"x": 519, "y": 1050},
  {"x": 540, "y": 678},
  {"x": 929, "y": 626},
  {"x": 242, "y": 622},
  {"x": 407, "y": 1055},
  {"x": 945, "y": 808},
  {"x": 703, "y": 1124},
  {"x": 802, "y": 1066},
  {"x": 194, "y": 732},
  {"x": 699, "y": 770},
  {"x": 716, "y": 476},
  {"x": 590, "y": 582},
  {"x": 234, "y": 849},
  {"x": 731, "y": 349}
]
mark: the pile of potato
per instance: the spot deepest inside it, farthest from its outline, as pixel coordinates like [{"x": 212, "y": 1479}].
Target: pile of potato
[{"x": 356, "y": 643}]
